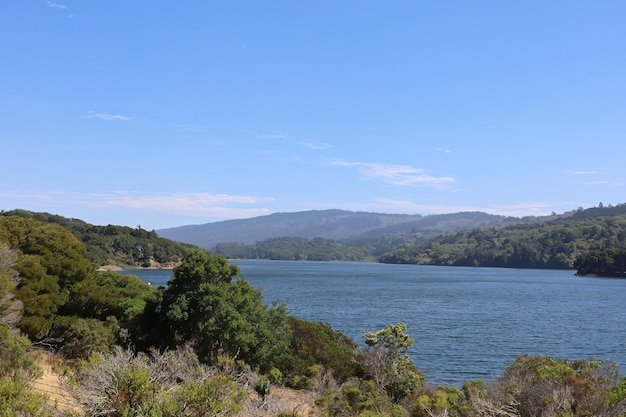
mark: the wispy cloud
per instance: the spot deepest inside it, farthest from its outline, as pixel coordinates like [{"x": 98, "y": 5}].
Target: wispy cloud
[
  {"x": 207, "y": 205},
  {"x": 586, "y": 172},
  {"x": 56, "y": 5},
  {"x": 315, "y": 146},
  {"x": 442, "y": 150},
  {"x": 190, "y": 204},
  {"x": 406, "y": 206},
  {"x": 273, "y": 136},
  {"x": 394, "y": 174},
  {"x": 106, "y": 116}
]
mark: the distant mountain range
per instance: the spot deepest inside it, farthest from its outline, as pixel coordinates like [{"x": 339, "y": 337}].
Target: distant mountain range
[{"x": 338, "y": 225}]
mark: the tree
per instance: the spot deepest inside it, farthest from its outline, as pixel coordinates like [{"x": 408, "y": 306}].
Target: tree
[
  {"x": 50, "y": 261},
  {"x": 388, "y": 363},
  {"x": 202, "y": 305},
  {"x": 41, "y": 295},
  {"x": 200, "y": 267},
  {"x": 318, "y": 344}
]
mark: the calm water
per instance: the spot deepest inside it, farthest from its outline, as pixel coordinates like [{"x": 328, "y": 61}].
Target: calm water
[{"x": 468, "y": 323}]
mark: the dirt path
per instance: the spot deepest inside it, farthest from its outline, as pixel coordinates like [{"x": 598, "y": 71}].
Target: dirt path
[{"x": 50, "y": 385}]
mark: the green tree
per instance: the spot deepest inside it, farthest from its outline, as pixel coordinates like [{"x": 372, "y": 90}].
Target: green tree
[
  {"x": 318, "y": 344},
  {"x": 40, "y": 294},
  {"x": 200, "y": 267},
  {"x": 202, "y": 305},
  {"x": 388, "y": 363}
]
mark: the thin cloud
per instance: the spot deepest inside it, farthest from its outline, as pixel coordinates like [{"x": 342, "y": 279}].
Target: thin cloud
[
  {"x": 56, "y": 5},
  {"x": 190, "y": 128},
  {"x": 106, "y": 116},
  {"x": 273, "y": 136},
  {"x": 208, "y": 205},
  {"x": 316, "y": 147},
  {"x": 394, "y": 174},
  {"x": 389, "y": 205},
  {"x": 586, "y": 172},
  {"x": 442, "y": 150}
]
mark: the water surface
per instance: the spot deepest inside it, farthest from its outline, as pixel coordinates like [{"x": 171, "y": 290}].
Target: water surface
[{"x": 468, "y": 323}]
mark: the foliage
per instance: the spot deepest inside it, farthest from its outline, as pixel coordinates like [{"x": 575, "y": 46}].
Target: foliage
[
  {"x": 17, "y": 369},
  {"x": 549, "y": 387},
  {"x": 78, "y": 337},
  {"x": 200, "y": 267},
  {"x": 358, "y": 397},
  {"x": 118, "y": 245},
  {"x": 218, "y": 395},
  {"x": 202, "y": 305},
  {"x": 50, "y": 260},
  {"x": 172, "y": 383},
  {"x": 441, "y": 401},
  {"x": 318, "y": 344},
  {"x": 40, "y": 294},
  {"x": 295, "y": 249},
  {"x": 17, "y": 400},
  {"x": 67, "y": 304},
  {"x": 553, "y": 244},
  {"x": 8, "y": 279},
  {"x": 109, "y": 294},
  {"x": 606, "y": 262},
  {"x": 57, "y": 249},
  {"x": 388, "y": 363}
]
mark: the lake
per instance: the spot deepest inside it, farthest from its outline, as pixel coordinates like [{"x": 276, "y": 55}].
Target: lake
[{"x": 468, "y": 323}]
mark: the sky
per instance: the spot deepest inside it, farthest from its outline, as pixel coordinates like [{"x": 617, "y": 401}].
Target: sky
[{"x": 162, "y": 114}]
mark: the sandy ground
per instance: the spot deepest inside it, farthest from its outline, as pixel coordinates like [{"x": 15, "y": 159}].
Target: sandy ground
[{"x": 50, "y": 385}]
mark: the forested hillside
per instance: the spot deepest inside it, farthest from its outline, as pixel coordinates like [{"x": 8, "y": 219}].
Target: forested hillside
[
  {"x": 552, "y": 244},
  {"x": 296, "y": 249},
  {"x": 115, "y": 245},
  {"x": 359, "y": 228}
]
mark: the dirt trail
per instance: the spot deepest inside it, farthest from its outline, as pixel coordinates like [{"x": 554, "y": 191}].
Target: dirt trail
[{"x": 50, "y": 385}]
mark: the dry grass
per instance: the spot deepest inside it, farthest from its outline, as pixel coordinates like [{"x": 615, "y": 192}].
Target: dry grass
[{"x": 282, "y": 400}]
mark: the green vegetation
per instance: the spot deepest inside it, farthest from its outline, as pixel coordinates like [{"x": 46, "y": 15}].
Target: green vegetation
[
  {"x": 296, "y": 249},
  {"x": 66, "y": 303},
  {"x": 115, "y": 245},
  {"x": 388, "y": 363},
  {"x": 208, "y": 345},
  {"x": 222, "y": 317},
  {"x": 554, "y": 244},
  {"x": 606, "y": 263}
]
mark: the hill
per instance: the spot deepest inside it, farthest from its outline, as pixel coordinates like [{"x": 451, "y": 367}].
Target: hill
[
  {"x": 555, "y": 243},
  {"x": 345, "y": 226},
  {"x": 115, "y": 245}
]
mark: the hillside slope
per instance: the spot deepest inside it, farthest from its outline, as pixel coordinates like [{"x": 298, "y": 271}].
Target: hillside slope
[
  {"x": 338, "y": 225},
  {"x": 115, "y": 245},
  {"x": 556, "y": 243}
]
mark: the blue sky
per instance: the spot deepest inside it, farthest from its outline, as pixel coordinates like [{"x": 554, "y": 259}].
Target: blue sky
[{"x": 162, "y": 114}]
